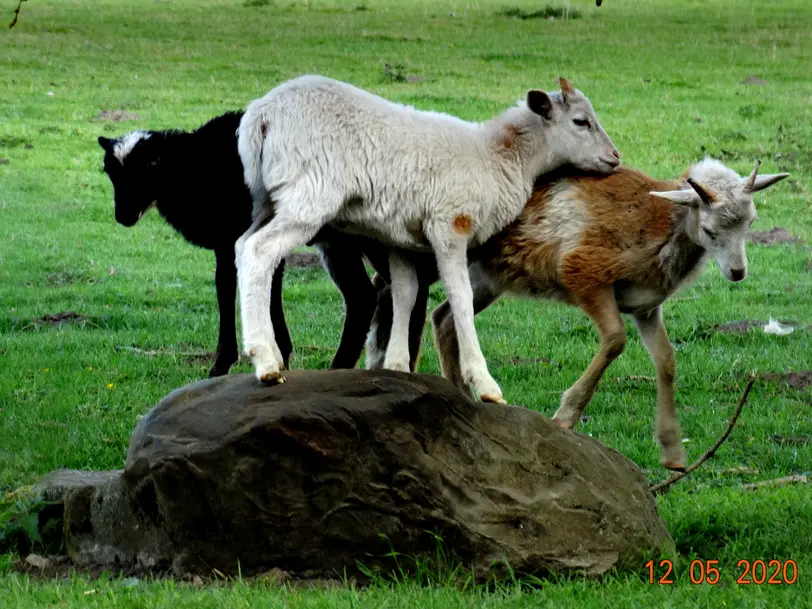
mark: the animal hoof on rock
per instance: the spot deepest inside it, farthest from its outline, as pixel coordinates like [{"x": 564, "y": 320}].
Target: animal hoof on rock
[
  {"x": 493, "y": 399},
  {"x": 271, "y": 378},
  {"x": 674, "y": 466},
  {"x": 562, "y": 423}
]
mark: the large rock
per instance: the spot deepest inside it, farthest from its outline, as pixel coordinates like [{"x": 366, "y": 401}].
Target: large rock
[{"x": 336, "y": 467}]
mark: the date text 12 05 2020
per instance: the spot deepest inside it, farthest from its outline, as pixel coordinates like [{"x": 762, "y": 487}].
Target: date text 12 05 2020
[{"x": 773, "y": 572}]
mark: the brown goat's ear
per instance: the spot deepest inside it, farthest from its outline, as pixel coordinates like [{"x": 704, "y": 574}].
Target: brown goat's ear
[
  {"x": 685, "y": 197},
  {"x": 107, "y": 143},
  {"x": 540, "y": 103},
  {"x": 708, "y": 198},
  {"x": 566, "y": 87}
]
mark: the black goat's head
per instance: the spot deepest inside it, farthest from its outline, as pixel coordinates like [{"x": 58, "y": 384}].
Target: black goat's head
[{"x": 133, "y": 164}]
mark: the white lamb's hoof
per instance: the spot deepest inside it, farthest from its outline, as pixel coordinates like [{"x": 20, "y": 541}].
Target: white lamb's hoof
[
  {"x": 268, "y": 369},
  {"x": 400, "y": 364},
  {"x": 493, "y": 399},
  {"x": 270, "y": 378}
]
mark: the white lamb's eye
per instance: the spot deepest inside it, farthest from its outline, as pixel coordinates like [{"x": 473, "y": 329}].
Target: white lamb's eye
[
  {"x": 581, "y": 122},
  {"x": 709, "y": 232}
]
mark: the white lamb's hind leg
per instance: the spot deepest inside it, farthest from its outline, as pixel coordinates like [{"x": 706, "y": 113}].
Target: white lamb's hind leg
[
  {"x": 260, "y": 255},
  {"x": 404, "y": 293},
  {"x": 451, "y": 252}
]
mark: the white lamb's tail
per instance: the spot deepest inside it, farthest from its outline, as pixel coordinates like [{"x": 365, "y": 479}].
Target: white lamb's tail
[{"x": 250, "y": 141}]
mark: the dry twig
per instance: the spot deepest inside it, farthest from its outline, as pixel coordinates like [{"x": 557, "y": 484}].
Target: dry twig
[
  {"x": 661, "y": 487},
  {"x": 16, "y": 14},
  {"x": 164, "y": 352},
  {"x": 796, "y": 479}
]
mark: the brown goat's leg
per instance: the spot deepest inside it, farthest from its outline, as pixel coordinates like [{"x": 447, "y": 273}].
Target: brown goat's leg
[
  {"x": 601, "y": 307},
  {"x": 654, "y": 336},
  {"x": 486, "y": 292}
]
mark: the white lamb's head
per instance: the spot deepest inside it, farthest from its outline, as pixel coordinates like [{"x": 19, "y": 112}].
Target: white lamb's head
[
  {"x": 572, "y": 129},
  {"x": 722, "y": 210}
]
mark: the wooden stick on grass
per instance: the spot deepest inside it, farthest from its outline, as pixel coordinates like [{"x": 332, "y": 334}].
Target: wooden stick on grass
[
  {"x": 661, "y": 487},
  {"x": 16, "y": 14}
]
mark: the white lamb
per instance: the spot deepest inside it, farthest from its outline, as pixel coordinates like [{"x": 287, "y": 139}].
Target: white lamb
[{"x": 317, "y": 151}]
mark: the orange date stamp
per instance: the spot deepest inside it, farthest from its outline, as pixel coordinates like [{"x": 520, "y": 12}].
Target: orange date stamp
[{"x": 756, "y": 572}]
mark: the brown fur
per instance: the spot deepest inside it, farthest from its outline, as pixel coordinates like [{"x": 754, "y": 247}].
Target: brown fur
[
  {"x": 626, "y": 229},
  {"x": 463, "y": 224},
  {"x": 623, "y": 233}
]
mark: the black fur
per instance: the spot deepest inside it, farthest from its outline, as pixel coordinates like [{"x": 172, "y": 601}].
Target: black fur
[{"x": 196, "y": 182}]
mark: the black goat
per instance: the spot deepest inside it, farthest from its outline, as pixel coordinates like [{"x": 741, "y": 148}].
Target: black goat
[{"x": 195, "y": 180}]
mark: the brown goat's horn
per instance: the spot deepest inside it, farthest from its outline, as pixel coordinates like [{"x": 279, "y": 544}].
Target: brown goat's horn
[
  {"x": 706, "y": 196},
  {"x": 566, "y": 87},
  {"x": 751, "y": 181}
]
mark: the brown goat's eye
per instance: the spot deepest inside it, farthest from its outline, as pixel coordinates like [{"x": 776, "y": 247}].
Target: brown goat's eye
[
  {"x": 581, "y": 122},
  {"x": 153, "y": 163}
]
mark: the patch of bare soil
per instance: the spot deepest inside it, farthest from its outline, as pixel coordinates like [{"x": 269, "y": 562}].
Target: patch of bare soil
[
  {"x": 203, "y": 357},
  {"x": 57, "y": 319},
  {"x": 742, "y": 326},
  {"x": 4, "y": 161},
  {"x": 791, "y": 440},
  {"x": 61, "y": 567},
  {"x": 56, "y": 567},
  {"x": 774, "y": 236},
  {"x": 754, "y": 80},
  {"x": 302, "y": 260},
  {"x": 116, "y": 116},
  {"x": 529, "y": 361},
  {"x": 799, "y": 380}
]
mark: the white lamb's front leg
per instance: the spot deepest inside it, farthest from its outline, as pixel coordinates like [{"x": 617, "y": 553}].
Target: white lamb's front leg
[
  {"x": 404, "y": 293},
  {"x": 258, "y": 256},
  {"x": 451, "y": 252}
]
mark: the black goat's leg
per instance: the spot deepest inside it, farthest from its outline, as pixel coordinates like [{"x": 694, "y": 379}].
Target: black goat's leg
[
  {"x": 280, "y": 326},
  {"x": 225, "y": 280},
  {"x": 345, "y": 265}
]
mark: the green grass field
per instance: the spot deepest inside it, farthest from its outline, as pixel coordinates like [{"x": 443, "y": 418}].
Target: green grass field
[{"x": 671, "y": 81}]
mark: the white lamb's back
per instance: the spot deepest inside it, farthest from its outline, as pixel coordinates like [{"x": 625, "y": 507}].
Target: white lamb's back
[{"x": 364, "y": 146}]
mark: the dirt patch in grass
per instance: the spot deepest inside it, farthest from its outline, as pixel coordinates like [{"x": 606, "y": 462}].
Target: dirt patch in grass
[
  {"x": 302, "y": 260},
  {"x": 548, "y": 12},
  {"x": 799, "y": 380},
  {"x": 4, "y": 161},
  {"x": 116, "y": 116},
  {"x": 738, "y": 327},
  {"x": 58, "y": 319},
  {"x": 754, "y": 80},
  {"x": 199, "y": 359},
  {"x": 791, "y": 440},
  {"x": 58, "y": 567},
  {"x": 774, "y": 236}
]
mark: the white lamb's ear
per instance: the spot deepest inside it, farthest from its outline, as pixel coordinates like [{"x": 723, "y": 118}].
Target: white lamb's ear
[
  {"x": 687, "y": 197},
  {"x": 540, "y": 103},
  {"x": 768, "y": 179}
]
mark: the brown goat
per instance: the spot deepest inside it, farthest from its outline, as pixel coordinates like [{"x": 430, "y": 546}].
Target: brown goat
[{"x": 610, "y": 245}]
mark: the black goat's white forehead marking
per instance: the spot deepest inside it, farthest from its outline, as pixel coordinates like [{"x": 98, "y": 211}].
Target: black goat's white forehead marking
[{"x": 126, "y": 143}]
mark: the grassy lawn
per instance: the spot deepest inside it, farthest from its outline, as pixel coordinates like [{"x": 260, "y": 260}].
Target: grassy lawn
[{"x": 671, "y": 81}]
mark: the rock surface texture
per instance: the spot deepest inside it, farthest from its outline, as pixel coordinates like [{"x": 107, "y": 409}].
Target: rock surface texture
[{"x": 336, "y": 467}]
